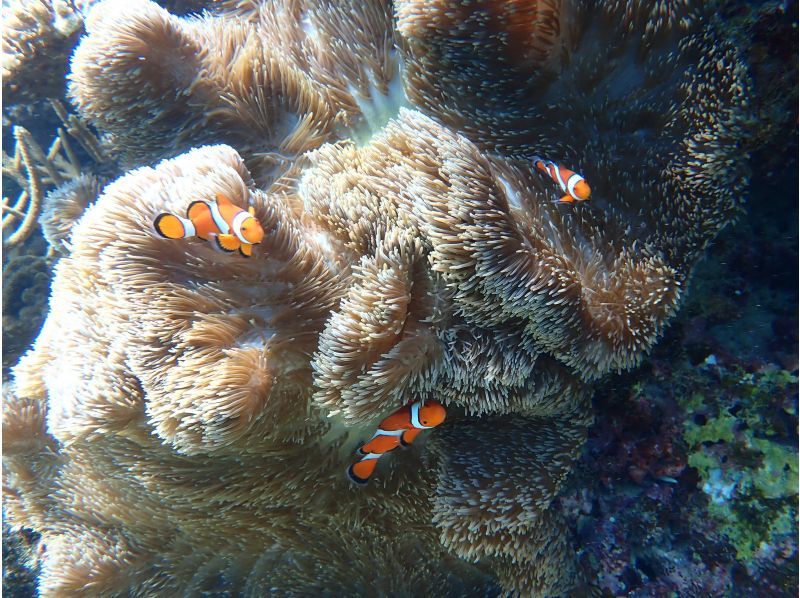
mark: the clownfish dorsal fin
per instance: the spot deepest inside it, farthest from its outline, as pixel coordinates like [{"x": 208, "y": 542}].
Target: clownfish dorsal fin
[
  {"x": 222, "y": 199},
  {"x": 252, "y": 211},
  {"x": 195, "y": 209}
]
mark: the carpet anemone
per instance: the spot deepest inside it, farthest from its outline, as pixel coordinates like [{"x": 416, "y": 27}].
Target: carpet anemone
[{"x": 186, "y": 416}]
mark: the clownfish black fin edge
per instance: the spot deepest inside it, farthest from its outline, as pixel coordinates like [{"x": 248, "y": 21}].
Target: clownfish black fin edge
[
  {"x": 354, "y": 478},
  {"x": 158, "y": 227},
  {"x": 219, "y": 245},
  {"x": 196, "y": 203},
  {"x": 156, "y": 224}
]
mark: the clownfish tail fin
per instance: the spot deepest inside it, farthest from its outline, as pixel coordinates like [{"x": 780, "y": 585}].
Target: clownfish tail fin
[
  {"x": 170, "y": 226},
  {"x": 361, "y": 471}
]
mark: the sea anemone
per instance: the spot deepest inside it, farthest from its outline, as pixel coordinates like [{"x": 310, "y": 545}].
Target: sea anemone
[{"x": 412, "y": 252}]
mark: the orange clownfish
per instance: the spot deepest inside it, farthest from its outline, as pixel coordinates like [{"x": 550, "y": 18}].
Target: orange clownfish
[
  {"x": 570, "y": 182},
  {"x": 398, "y": 429},
  {"x": 227, "y": 226}
]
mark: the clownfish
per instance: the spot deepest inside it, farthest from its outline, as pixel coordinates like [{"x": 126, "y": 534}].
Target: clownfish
[
  {"x": 398, "y": 429},
  {"x": 570, "y": 182},
  {"x": 227, "y": 226}
]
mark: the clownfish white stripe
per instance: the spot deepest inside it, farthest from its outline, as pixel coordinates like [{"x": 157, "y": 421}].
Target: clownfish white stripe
[
  {"x": 369, "y": 456},
  {"x": 573, "y": 180},
  {"x": 188, "y": 227},
  {"x": 557, "y": 173},
  {"x": 388, "y": 433},
  {"x": 223, "y": 227},
  {"x": 236, "y": 225},
  {"x": 415, "y": 416}
]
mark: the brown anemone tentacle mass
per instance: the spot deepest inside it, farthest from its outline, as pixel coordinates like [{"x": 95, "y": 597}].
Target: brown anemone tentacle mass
[{"x": 186, "y": 416}]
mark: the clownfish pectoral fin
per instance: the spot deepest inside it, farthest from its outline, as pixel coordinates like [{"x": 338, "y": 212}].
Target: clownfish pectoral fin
[
  {"x": 246, "y": 249},
  {"x": 408, "y": 437},
  {"x": 170, "y": 226},
  {"x": 567, "y": 199},
  {"x": 212, "y": 238},
  {"x": 228, "y": 242}
]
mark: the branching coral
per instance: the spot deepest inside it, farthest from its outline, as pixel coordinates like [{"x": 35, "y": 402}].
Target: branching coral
[
  {"x": 35, "y": 170},
  {"x": 415, "y": 255},
  {"x": 24, "y": 212}
]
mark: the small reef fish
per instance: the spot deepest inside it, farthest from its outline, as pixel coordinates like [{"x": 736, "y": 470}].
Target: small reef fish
[
  {"x": 227, "y": 226},
  {"x": 398, "y": 429},
  {"x": 571, "y": 183}
]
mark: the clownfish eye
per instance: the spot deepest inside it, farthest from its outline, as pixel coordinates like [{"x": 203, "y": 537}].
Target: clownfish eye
[{"x": 424, "y": 422}]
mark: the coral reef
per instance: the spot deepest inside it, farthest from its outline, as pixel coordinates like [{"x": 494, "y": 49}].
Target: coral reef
[
  {"x": 660, "y": 511},
  {"x": 38, "y": 37},
  {"x": 59, "y": 169},
  {"x": 185, "y": 417},
  {"x": 19, "y": 573},
  {"x": 24, "y": 212},
  {"x": 736, "y": 447},
  {"x": 642, "y": 517},
  {"x": 26, "y": 282}
]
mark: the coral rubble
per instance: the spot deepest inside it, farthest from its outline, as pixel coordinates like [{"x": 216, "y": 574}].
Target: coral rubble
[{"x": 185, "y": 417}]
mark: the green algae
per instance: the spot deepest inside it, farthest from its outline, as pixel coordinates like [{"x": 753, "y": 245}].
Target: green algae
[{"x": 739, "y": 438}]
